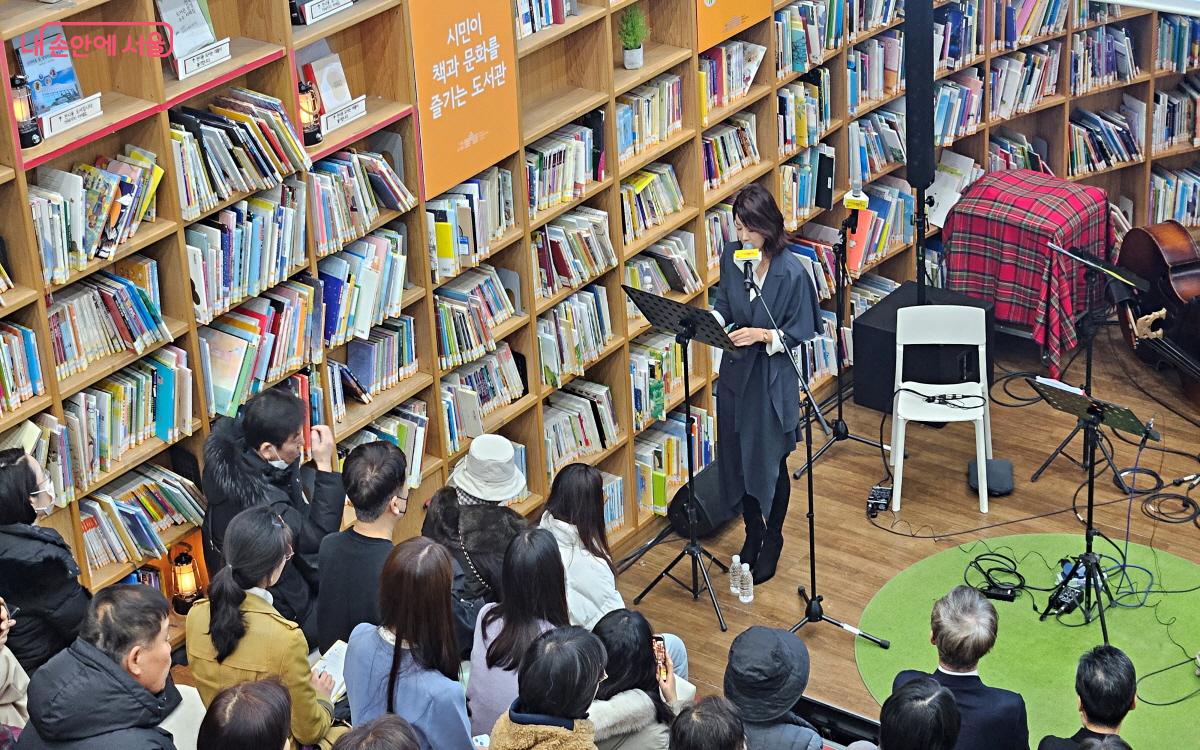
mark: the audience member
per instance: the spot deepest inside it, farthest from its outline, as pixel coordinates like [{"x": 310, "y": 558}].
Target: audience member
[
  {"x": 120, "y": 664},
  {"x": 1106, "y": 684},
  {"x": 408, "y": 664},
  {"x": 713, "y": 723},
  {"x": 351, "y": 561},
  {"x": 255, "y": 460},
  {"x": 557, "y": 683},
  {"x": 488, "y": 474},
  {"x": 765, "y": 677},
  {"x": 14, "y": 683},
  {"x": 575, "y": 515},
  {"x": 237, "y": 634},
  {"x": 39, "y": 573},
  {"x": 388, "y": 732},
  {"x": 964, "y": 625},
  {"x": 533, "y": 600},
  {"x": 1110, "y": 742},
  {"x": 921, "y": 714},
  {"x": 249, "y": 716},
  {"x": 635, "y": 705}
]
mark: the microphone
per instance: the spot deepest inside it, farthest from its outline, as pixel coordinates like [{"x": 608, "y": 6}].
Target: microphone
[
  {"x": 748, "y": 257},
  {"x": 854, "y": 201}
]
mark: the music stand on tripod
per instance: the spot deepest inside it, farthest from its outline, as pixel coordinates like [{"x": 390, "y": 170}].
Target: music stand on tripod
[
  {"x": 1091, "y": 413},
  {"x": 687, "y": 323}
]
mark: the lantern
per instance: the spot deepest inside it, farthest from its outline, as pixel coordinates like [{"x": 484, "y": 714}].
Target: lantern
[
  {"x": 22, "y": 104},
  {"x": 187, "y": 587},
  {"x": 310, "y": 113}
]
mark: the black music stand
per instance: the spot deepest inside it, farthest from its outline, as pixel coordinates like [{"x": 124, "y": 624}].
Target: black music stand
[
  {"x": 1091, "y": 413},
  {"x": 687, "y": 323}
]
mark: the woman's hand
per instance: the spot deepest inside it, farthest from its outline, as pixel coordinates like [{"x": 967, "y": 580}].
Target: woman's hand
[
  {"x": 749, "y": 336},
  {"x": 6, "y": 622},
  {"x": 666, "y": 685},
  {"x": 322, "y": 682}
]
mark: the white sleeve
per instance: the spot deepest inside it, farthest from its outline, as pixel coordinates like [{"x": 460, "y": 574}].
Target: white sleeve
[
  {"x": 720, "y": 318},
  {"x": 775, "y": 345}
]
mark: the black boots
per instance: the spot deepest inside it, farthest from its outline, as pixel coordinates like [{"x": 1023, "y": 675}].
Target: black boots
[
  {"x": 768, "y": 556},
  {"x": 755, "y": 530}
]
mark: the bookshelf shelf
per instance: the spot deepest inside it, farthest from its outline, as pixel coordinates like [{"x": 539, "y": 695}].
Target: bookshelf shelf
[
  {"x": 875, "y": 31},
  {"x": 24, "y": 411},
  {"x": 1142, "y": 78},
  {"x": 592, "y": 189},
  {"x": 412, "y": 295},
  {"x": 380, "y": 113},
  {"x": 134, "y": 457},
  {"x": 245, "y": 55},
  {"x": 673, "y": 222},
  {"x": 493, "y": 421},
  {"x": 637, "y": 161},
  {"x": 1127, "y": 14},
  {"x": 120, "y": 111},
  {"x": 658, "y": 59},
  {"x": 557, "y": 108},
  {"x": 16, "y": 298},
  {"x": 108, "y": 575},
  {"x": 1177, "y": 150},
  {"x": 588, "y": 14},
  {"x": 529, "y": 505},
  {"x": 595, "y": 459},
  {"x": 1106, "y": 170},
  {"x": 7, "y": 174},
  {"x": 543, "y": 305},
  {"x": 720, "y": 194},
  {"x": 359, "y": 415},
  {"x": 102, "y": 368},
  {"x": 20, "y": 16},
  {"x": 609, "y": 349},
  {"x": 147, "y": 235},
  {"x": 1030, "y": 42},
  {"x": 510, "y": 326},
  {"x": 718, "y": 115},
  {"x": 1046, "y": 102},
  {"x": 362, "y": 10},
  {"x": 867, "y": 107},
  {"x": 944, "y": 72}
]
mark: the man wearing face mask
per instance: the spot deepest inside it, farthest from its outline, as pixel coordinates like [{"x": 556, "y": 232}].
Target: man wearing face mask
[
  {"x": 39, "y": 578},
  {"x": 255, "y": 459}
]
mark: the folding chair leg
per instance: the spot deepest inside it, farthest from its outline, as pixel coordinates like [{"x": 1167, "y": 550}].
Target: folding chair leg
[
  {"x": 898, "y": 460},
  {"x": 987, "y": 426},
  {"x": 981, "y": 456}
]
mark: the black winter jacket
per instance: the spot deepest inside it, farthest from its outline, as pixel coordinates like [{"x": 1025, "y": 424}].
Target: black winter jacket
[
  {"x": 39, "y": 575},
  {"x": 83, "y": 700},
  {"x": 236, "y": 477}
]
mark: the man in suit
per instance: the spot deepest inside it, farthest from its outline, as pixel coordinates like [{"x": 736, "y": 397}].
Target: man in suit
[
  {"x": 1107, "y": 687},
  {"x": 964, "y": 626}
]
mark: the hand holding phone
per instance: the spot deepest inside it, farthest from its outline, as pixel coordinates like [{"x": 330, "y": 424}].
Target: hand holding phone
[{"x": 660, "y": 657}]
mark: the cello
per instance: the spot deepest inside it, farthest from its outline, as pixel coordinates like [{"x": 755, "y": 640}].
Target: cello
[{"x": 1162, "y": 325}]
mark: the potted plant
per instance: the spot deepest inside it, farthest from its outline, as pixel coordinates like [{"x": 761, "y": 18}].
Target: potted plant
[{"x": 633, "y": 30}]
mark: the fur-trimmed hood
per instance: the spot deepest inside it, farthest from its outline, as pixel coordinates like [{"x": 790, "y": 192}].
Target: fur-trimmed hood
[
  {"x": 234, "y": 472},
  {"x": 509, "y": 735}
]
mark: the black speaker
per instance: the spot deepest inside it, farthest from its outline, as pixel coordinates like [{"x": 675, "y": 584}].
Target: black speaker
[
  {"x": 711, "y": 512},
  {"x": 875, "y": 348},
  {"x": 918, "y": 77}
]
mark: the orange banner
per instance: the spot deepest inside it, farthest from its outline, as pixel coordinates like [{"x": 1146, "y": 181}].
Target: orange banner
[
  {"x": 717, "y": 20},
  {"x": 465, "y": 59}
]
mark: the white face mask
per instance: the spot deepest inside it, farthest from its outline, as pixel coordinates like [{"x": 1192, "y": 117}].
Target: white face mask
[
  {"x": 278, "y": 462},
  {"x": 46, "y": 489}
]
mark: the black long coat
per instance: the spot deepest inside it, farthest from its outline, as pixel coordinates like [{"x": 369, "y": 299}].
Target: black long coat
[{"x": 758, "y": 395}]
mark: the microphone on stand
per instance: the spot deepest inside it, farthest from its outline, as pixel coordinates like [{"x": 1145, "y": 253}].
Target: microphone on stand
[
  {"x": 854, "y": 201},
  {"x": 748, "y": 257}
]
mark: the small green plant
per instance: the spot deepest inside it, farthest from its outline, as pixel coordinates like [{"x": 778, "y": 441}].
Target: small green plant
[{"x": 634, "y": 27}]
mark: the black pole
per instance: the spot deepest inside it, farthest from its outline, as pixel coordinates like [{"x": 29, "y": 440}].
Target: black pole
[
  {"x": 812, "y": 516},
  {"x": 920, "y": 225}
]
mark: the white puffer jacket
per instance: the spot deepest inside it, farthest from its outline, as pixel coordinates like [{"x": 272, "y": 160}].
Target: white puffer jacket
[
  {"x": 591, "y": 586},
  {"x": 626, "y": 721}
]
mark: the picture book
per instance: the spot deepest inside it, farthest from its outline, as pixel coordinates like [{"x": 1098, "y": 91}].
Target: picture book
[{"x": 44, "y": 57}]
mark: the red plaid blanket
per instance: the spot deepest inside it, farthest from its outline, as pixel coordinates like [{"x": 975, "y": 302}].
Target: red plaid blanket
[{"x": 995, "y": 239}]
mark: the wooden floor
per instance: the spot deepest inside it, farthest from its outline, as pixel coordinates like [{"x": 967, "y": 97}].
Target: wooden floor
[{"x": 855, "y": 558}]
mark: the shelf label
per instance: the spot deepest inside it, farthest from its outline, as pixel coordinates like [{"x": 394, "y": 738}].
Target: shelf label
[
  {"x": 204, "y": 58},
  {"x": 344, "y": 115},
  {"x": 68, "y": 116},
  {"x": 717, "y": 20},
  {"x": 466, "y": 61},
  {"x": 315, "y": 11}
]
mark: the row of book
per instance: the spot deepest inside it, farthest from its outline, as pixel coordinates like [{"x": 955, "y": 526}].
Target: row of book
[
  {"x": 1100, "y": 57},
  {"x": 818, "y": 356},
  {"x": 952, "y": 175},
  {"x": 1097, "y": 11},
  {"x": 20, "y": 367},
  {"x": 612, "y": 487},
  {"x": 668, "y": 265},
  {"x": 580, "y": 421},
  {"x": 729, "y": 149},
  {"x": 1108, "y": 138},
  {"x": 648, "y": 197},
  {"x": 466, "y": 310},
  {"x": 877, "y": 142},
  {"x": 957, "y": 34},
  {"x": 463, "y": 222},
  {"x": 875, "y": 69},
  {"x": 348, "y": 190},
  {"x": 406, "y": 427},
  {"x": 1008, "y": 149},
  {"x": 958, "y": 106},
  {"x": 804, "y": 111},
  {"x": 867, "y": 291},
  {"x": 719, "y": 229},
  {"x": 801, "y": 31},
  {"x": 572, "y": 249},
  {"x": 560, "y": 166},
  {"x": 649, "y": 115},
  {"x": 1175, "y": 194},
  {"x": 863, "y": 16},
  {"x": 1176, "y": 116},
  {"x": 660, "y": 455},
  {"x": 374, "y": 364},
  {"x": 364, "y": 284},
  {"x": 1017, "y": 21},
  {"x": 727, "y": 72},
  {"x": 535, "y": 15},
  {"x": 573, "y": 334},
  {"x": 473, "y": 391},
  {"x": 884, "y": 225},
  {"x": 1178, "y": 47},
  {"x": 805, "y": 184},
  {"x": 1022, "y": 80},
  {"x": 656, "y": 375},
  {"x": 93, "y": 209},
  {"x": 813, "y": 246}
]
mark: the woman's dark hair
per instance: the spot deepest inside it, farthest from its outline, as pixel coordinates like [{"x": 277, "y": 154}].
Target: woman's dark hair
[
  {"x": 17, "y": 483},
  {"x": 248, "y": 716},
  {"x": 256, "y": 542},
  {"x": 919, "y": 715},
  {"x": 414, "y": 603},
  {"x": 757, "y": 211},
  {"x": 272, "y": 417},
  {"x": 533, "y": 590},
  {"x": 628, "y": 641},
  {"x": 388, "y": 732},
  {"x": 577, "y": 498},
  {"x": 1108, "y": 742},
  {"x": 559, "y": 673},
  {"x": 713, "y": 723}
]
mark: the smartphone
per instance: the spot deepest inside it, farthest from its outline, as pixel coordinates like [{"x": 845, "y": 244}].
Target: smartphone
[
  {"x": 660, "y": 657},
  {"x": 9, "y": 614}
]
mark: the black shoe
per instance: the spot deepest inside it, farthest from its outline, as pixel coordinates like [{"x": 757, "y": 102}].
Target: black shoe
[
  {"x": 754, "y": 541},
  {"x": 768, "y": 558}
]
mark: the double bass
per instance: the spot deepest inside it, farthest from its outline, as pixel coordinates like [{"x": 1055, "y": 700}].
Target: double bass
[{"x": 1162, "y": 325}]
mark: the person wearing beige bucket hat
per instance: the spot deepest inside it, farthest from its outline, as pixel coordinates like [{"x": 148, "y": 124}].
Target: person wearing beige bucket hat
[{"x": 488, "y": 473}]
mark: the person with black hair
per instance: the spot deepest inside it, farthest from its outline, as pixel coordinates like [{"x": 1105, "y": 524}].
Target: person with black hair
[
  {"x": 758, "y": 404},
  {"x": 255, "y": 460},
  {"x": 351, "y": 561},
  {"x": 919, "y": 715},
  {"x": 408, "y": 664},
  {"x": 255, "y": 715},
  {"x": 388, "y": 732},
  {"x": 237, "y": 634},
  {"x": 38, "y": 572},
  {"x": 1106, "y": 684},
  {"x": 112, "y": 686},
  {"x": 533, "y": 599},
  {"x": 1110, "y": 742},
  {"x": 713, "y": 723},
  {"x": 635, "y": 705},
  {"x": 557, "y": 682}
]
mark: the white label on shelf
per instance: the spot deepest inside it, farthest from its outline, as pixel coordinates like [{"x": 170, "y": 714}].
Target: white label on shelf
[
  {"x": 345, "y": 115},
  {"x": 204, "y": 58},
  {"x": 69, "y": 115},
  {"x": 319, "y": 9}
]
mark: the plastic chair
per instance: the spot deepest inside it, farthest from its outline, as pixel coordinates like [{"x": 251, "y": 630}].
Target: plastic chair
[{"x": 941, "y": 324}]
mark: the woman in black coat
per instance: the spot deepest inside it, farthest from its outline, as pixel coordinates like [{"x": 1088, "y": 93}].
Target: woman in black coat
[
  {"x": 758, "y": 394},
  {"x": 37, "y": 570}
]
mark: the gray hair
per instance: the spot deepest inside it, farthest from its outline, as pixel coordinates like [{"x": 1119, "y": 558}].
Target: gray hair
[{"x": 964, "y": 626}]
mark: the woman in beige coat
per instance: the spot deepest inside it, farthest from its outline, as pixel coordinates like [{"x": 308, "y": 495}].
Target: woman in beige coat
[{"x": 14, "y": 683}]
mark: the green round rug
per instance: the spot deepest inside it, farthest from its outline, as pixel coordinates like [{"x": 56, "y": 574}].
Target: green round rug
[{"x": 1037, "y": 659}]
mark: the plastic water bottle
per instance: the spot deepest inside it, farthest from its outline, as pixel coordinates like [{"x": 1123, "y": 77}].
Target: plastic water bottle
[
  {"x": 735, "y": 575},
  {"x": 746, "y": 595}
]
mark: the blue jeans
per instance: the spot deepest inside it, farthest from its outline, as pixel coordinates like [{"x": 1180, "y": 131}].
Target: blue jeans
[{"x": 678, "y": 653}]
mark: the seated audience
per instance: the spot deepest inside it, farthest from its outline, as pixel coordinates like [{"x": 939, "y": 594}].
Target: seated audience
[
  {"x": 575, "y": 515},
  {"x": 964, "y": 625},
  {"x": 488, "y": 474},
  {"x": 249, "y": 716},
  {"x": 635, "y": 706},
  {"x": 112, "y": 687},
  {"x": 1110, "y": 742},
  {"x": 713, "y": 723},
  {"x": 1106, "y": 683},
  {"x": 255, "y": 460},
  {"x": 556, "y": 684},
  {"x": 919, "y": 715},
  {"x": 14, "y": 683},
  {"x": 533, "y": 600},
  {"x": 38, "y": 571},
  {"x": 237, "y": 634},
  {"x": 765, "y": 677},
  {"x": 408, "y": 664},
  {"x": 388, "y": 732},
  {"x": 352, "y": 560}
]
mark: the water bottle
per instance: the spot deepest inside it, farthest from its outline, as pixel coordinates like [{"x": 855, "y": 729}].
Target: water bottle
[
  {"x": 735, "y": 575},
  {"x": 746, "y": 595}
]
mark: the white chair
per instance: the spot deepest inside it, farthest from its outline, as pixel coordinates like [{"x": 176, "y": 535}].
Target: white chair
[{"x": 941, "y": 324}]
